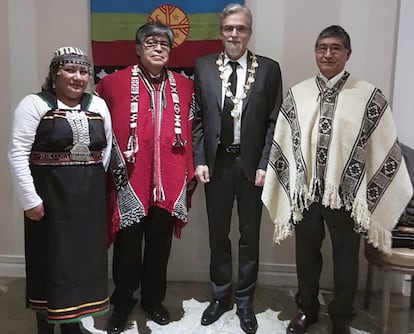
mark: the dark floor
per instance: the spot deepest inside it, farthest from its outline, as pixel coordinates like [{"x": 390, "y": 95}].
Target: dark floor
[{"x": 14, "y": 318}]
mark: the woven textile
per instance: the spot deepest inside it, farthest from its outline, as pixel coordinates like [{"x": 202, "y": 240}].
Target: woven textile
[{"x": 337, "y": 146}]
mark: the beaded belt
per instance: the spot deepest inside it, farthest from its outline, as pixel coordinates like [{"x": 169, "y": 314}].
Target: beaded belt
[{"x": 63, "y": 158}]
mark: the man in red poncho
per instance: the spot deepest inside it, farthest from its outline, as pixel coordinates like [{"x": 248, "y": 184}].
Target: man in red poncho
[{"x": 152, "y": 166}]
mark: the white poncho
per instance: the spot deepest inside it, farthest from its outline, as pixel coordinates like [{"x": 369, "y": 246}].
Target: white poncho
[{"x": 337, "y": 146}]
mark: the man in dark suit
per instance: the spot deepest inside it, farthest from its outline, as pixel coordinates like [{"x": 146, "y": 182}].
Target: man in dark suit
[{"x": 238, "y": 95}]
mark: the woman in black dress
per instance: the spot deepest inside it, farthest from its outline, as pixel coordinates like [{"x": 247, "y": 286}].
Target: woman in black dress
[{"x": 59, "y": 150}]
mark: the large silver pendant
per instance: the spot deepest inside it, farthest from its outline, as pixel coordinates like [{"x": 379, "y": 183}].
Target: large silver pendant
[{"x": 80, "y": 152}]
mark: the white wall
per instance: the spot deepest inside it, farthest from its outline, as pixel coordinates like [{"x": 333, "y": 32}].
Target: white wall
[
  {"x": 284, "y": 30},
  {"x": 403, "y": 100}
]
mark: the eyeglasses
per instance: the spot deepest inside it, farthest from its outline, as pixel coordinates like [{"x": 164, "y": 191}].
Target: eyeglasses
[
  {"x": 333, "y": 48},
  {"x": 242, "y": 30},
  {"x": 153, "y": 44}
]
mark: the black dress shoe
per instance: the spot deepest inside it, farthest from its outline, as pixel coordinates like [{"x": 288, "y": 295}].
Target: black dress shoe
[
  {"x": 300, "y": 324},
  {"x": 248, "y": 321},
  {"x": 340, "y": 327},
  {"x": 214, "y": 311},
  {"x": 117, "y": 322},
  {"x": 157, "y": 313}
]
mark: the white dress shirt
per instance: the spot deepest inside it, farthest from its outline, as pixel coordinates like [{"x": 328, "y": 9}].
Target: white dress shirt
[{"x": 241, "y": 79}]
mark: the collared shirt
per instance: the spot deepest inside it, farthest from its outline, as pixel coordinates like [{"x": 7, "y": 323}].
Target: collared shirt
[
  {"x": 332, "y": 81},
  {"x": 241, "y": 79}
]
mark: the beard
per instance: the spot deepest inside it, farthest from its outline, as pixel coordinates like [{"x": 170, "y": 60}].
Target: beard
[{"x": 233, "y": 50}]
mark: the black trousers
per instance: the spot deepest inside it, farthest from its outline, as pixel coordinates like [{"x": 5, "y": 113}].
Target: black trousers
[
  {"x": 140, "y": 257},
  {"x": 310, "y": 233},
  {"x": 228, "y": 184}
]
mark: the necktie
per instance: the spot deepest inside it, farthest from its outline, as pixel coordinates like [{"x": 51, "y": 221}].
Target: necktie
[{"x": 227, "y": 121}]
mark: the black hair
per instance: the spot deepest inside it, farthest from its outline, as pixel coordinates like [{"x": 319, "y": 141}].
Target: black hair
[
  {"x": 153, "y": 29},
  {"x": 335, "y": 31}
]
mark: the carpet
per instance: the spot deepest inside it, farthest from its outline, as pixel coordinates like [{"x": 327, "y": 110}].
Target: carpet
[{"x": 190, "y": 323}]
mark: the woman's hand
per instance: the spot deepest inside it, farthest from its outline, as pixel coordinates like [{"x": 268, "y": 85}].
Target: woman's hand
[{"x": 36, "y": 213}]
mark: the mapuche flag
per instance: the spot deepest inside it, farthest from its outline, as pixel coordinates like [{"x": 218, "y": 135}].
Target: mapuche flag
[{"x": 114, "y": 24}]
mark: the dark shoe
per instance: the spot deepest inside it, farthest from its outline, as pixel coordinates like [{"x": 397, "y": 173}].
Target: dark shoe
[
  {"x": 248, "y": 321},
  {"x": 300, "y": 324},
  {"x": 70, "y": 328},
  {"x": 117, "y": 322},
  {"x": 214, "y": 311},
  {"x": 340, "y": 327},
  {"x": 157, "y": 312},
  {"x": 49, "y": 330}
]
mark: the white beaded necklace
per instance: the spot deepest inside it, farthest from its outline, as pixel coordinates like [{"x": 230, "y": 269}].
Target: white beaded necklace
[{"x": 235, "y": 113}]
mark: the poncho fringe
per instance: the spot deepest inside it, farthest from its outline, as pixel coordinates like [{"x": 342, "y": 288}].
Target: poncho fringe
[{"x": 376, "y": 235}]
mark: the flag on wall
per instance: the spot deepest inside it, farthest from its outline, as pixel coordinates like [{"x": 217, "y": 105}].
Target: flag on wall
[{"x": 114, "y": 24}]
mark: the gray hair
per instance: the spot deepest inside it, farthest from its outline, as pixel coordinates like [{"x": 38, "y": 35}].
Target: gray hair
[
  {"x": 234, "y": 8},
  {"x": 153, "y": 29}
]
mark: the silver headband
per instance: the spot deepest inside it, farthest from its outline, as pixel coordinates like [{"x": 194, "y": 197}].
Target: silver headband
[{"x": 70, "y": 55}]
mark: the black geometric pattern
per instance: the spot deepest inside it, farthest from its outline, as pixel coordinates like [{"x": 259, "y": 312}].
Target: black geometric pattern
[
  {"x": 355, "y": 168},
  {"x": 383, "y": 177},
  {"x": 280, "y": 165},
  {"x": 328, "y": 99},
  {"x": 278, "y": 161},
  {"x": 290, "y": 111}
]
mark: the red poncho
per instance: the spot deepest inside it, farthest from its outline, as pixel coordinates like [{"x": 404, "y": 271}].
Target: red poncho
[{"x": 160, "y": 173}]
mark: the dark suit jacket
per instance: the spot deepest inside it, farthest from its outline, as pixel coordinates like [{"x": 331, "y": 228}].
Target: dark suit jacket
[{"x": 259, "y": 113}]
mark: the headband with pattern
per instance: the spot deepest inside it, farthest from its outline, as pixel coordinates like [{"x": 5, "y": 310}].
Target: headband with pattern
[{"x": 71, "y": 55}]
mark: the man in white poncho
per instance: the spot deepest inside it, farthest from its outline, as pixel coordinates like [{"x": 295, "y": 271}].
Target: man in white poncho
[{"x": 335, "y": 159}]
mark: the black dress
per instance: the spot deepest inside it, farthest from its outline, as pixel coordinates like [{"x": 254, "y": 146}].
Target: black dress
[{"x": 66, "y": 252}]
